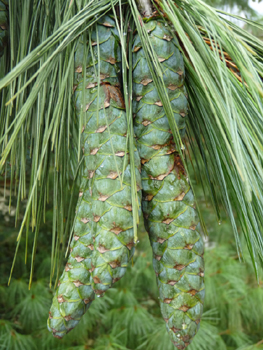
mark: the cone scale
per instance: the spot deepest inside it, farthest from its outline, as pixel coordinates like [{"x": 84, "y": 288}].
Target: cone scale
[
  {"x": 168, "y": 202},
  {"x": 103, "y": 241}
]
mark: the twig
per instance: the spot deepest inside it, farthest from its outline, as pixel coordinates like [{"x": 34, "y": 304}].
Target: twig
[{"x": 145, "y": 7}]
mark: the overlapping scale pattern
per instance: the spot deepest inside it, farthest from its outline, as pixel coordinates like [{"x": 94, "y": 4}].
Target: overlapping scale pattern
[
  {"x": 168, "y": 203},
  {"x": 107, "y": 166},
  {"x": 3, "y": 24},
  {"x": 103, "y": 241},
  {"x": 74, "y": 293}
]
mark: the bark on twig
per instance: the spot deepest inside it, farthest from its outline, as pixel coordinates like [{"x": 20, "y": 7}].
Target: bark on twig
[{"x": 145, "y": 7}]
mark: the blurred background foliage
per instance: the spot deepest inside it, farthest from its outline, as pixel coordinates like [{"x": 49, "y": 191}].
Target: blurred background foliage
[
  {"x": 128, "y": 317},
  {"x": 237, "y": 6}
]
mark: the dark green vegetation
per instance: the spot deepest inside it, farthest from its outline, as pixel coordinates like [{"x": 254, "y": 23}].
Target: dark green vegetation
[{"x": 128, "y": 317}]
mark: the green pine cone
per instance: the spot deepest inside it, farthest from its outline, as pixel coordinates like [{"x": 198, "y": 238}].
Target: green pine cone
[
  {"x": 103, "y": 241},
  {"x": 107, "y": 161},
  {"x": 3, "y": 24},
  {"x": 74, "y": 293},
  {"x": 107, "y": 165},
  {"x": 168, "y": 203}
]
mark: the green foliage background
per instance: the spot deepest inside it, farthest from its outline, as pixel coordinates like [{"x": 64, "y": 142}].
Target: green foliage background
[{"x": 128, "y": 317}]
